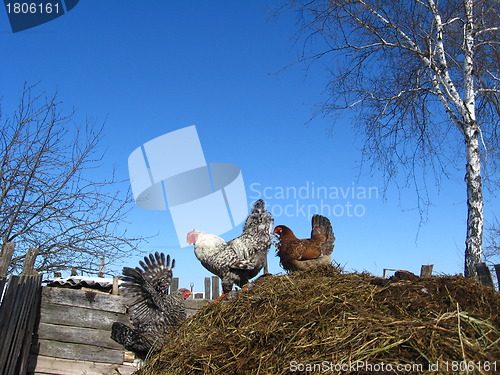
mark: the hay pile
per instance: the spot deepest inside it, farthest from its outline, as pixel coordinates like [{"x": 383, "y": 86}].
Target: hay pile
[{"x": 324, "y": 321}]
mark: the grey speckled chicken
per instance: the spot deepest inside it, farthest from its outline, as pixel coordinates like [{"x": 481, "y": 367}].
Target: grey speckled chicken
[
  {"x": 241, "y": 259},
  {"x": 153, "y": 312}
]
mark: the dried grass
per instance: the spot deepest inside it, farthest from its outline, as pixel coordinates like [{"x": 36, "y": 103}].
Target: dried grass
[{"x": 322, "y": 315}]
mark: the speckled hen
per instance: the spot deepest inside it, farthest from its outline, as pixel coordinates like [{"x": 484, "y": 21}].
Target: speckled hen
[{"x": 241, "y": 259}]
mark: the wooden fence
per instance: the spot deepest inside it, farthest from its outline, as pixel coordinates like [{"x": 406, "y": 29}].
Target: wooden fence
[
  {"x": 19, "y": 303},
  {"x": 484, "y": 274},
  {"x": 18, "y": 312},
  {"x": 3, "y": 282},
  {"x": 74, "y": 334}
]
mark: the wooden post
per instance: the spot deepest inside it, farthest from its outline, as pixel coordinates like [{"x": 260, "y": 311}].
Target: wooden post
[
  {"x": 29, "y": 262},
  {"x": 115, "y": 285},
  {"x": 7, "y": 251},
  {"x": 484, "y": 274},
  {"x": 385, "y": 271},
  {"x": 175, "y": 284},
  {"x": 497, "y": 270},
  {"x": 101, "y": 268},
  {"x": 207, "y": 287},
  {"x": 426, "y": 270},
  {"x": 266, "y": 268},
  {"x": 74, "y": 271},
  {"x": 215, "y": 287}
]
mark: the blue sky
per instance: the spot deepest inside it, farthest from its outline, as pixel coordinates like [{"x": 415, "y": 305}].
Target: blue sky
[{"x": 149, "y": 68}]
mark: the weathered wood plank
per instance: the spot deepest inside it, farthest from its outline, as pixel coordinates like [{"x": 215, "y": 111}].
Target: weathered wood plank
[
  {"x": 497, "y": 270},
  {"x": 29, "y": 262},
  {"x": 115, "y": 291},
  {"x": 77, "y": 335},
  {"x": 59, "y": 366},
  {"x": 17, "y": 318},
  {"x": 215, "y": 287},
  {"x": 80, "y": 298},
  {"x": 194, "y": 305},
  {"x": 207, "y": 287},
  {"x": 484, "y": 275},
  {"x": 6, "y": 312},
  {"x": 79, "y": 316},
  {"x": 3, "y": 283},
  {"x": 175, "y": 284},
  {"x": 80, "y": 352},
  {"x": 426, "y": 270},
  {"x": 9, "y": 313},
  {"x": 7, "y": 251},
  {"x": 31, "y": 317}
]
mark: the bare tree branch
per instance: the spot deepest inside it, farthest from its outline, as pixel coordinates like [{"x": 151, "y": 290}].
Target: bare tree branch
[
  {"x": 50, "y": 198},
  {"x": 414, "y": 70}
]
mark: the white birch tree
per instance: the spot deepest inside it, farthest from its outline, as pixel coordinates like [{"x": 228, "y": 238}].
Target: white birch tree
[{"x": 424, "y": 75}]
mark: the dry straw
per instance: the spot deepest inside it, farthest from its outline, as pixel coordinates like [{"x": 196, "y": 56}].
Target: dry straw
[{"x": 325, "y": 321}]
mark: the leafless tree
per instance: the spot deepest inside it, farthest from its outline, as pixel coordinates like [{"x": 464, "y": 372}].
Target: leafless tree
[
  {"x": 492, "y": 248},
  {"x": 50, "y": 199},
  {"x": 424, "y": 76}
]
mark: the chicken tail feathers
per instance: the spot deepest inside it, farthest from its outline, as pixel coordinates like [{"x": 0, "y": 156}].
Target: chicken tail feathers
[
  {"x": 322, "y": 231},
  {"x": 259, "y": 224},
  {"x": 150, "y": 282},
  {"x": 157, "y": 266}
]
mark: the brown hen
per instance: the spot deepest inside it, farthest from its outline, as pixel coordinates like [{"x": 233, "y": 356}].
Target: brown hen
[{"x": 301, "y": 254}]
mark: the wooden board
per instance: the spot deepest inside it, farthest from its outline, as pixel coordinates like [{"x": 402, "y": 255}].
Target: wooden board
[
  {"x": 426, "y": 270},
  {"x": 215, "y": 287},
  {"x": 484, "y": 275},
  {"x": 5, "y": 259},
  {"x": 78, "y": 335},
  {"x": 3, "y": 283},
  {"x": 497, "y": 270},
  {"x": 207, "y": 287},
  {"x": 194, "y": 305},
  {"x": 80, "y": 317},
  {"x": 57, "y": 366},
  {"x": 80, "y": 352},
  {"x": 87, "y": 299}
]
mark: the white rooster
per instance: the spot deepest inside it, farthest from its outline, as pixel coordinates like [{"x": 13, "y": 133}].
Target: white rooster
[{"x": 241, "y": 259}]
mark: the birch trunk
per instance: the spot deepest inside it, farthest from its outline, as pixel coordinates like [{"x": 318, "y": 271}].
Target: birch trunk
[
  {"x": 471, "y": 132},
  {"x": 475, "y": 218}
]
